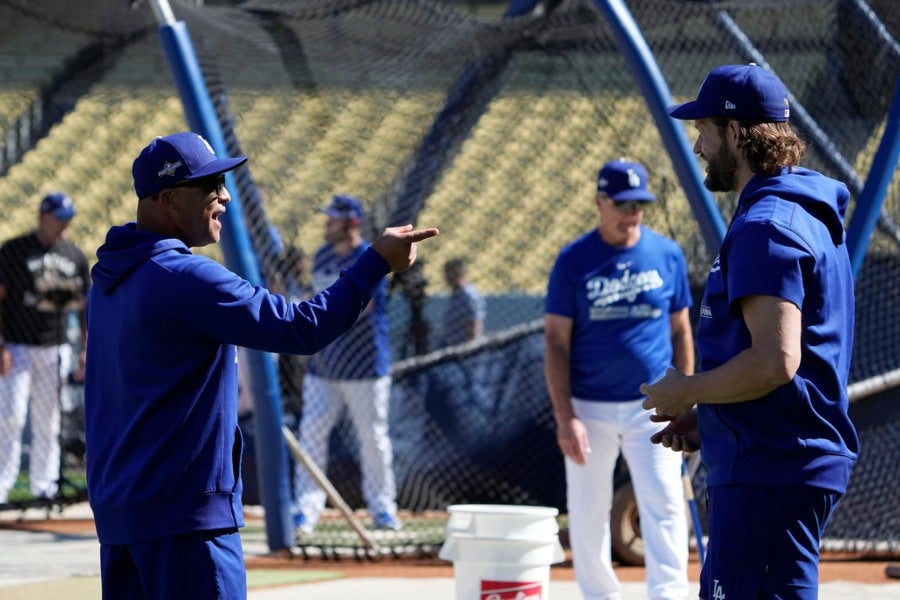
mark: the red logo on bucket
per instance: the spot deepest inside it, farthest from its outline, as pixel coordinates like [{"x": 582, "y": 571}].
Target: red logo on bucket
[{"x": 511, "y": 590}]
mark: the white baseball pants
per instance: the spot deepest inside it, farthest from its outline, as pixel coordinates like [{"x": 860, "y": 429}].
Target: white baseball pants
[
  {"x": 38, "y": 373},
  {"x": 366, "y": 402},
  {"x": 656, "y": 476}
]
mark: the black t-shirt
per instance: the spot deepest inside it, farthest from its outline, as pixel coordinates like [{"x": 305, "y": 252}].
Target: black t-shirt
[{"x": 43, "y": 285}]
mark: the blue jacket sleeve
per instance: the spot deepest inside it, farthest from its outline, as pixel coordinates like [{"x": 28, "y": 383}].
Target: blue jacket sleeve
[{"x": 229, "y": 309}]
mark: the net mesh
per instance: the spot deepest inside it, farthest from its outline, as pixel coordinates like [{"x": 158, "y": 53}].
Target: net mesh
[{"x": 490, "y": 129}]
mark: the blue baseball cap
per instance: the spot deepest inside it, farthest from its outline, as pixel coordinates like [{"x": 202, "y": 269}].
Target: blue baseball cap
[
  {"x": 59, "y": 204},
  {"x": 344, "y": 207},
  {"x": 746, "y": 93},
  {"x": 624, "y": 180},
  {"x": 175, "y": 158}
]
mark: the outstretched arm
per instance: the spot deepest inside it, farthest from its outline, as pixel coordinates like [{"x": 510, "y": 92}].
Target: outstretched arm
[{"x": 227, "y": 307}]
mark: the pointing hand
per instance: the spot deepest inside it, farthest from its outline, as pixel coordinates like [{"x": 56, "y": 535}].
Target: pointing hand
[{"x": 397, "y": 245}]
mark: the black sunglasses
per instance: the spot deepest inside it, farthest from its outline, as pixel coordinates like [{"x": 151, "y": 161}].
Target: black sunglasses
[
  {"x": 627, "y": 206},
  {"x": 208, "y": 185}
]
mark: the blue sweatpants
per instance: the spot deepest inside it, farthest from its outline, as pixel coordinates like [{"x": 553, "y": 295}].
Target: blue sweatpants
[
  {"x": 764, "y": 542},
  {"x": 205, "y": 565}
]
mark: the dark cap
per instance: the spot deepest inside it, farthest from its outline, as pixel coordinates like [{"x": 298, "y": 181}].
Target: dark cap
[
  {"x": 175, "y": 158},
  {"x": 344, "y": 207},
  {"x": 624, "y": 180},
  {"x": 59, "y": 204},
  {"x": 746, "y": 93}
]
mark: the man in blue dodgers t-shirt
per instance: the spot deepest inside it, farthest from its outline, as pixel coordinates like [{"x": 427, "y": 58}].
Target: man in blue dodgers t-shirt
[
  {"x": 616, "y": 315},
  {"x": 351, "y": 374},
  {"x": 774, "y": 337}
]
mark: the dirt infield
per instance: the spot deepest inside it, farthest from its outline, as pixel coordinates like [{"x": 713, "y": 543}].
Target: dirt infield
[{"x": 833, "y": 567}]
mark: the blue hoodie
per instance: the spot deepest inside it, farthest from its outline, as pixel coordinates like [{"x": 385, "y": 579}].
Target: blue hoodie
[
  {"x": 786, "y": 240},
  {"x": 163, "y": 446}
]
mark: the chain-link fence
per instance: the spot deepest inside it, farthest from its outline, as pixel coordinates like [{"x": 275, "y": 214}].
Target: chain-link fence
[{"x": 490, "y": 129}]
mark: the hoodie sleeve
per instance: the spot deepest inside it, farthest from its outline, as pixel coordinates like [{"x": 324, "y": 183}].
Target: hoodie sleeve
[
  {"x": 229, "y": 309},
  {"x": 784, "y": 254}
]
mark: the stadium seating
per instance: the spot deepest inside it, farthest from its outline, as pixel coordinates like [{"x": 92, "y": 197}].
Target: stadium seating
[
  {"x": 14, "y": 103},
  {"x": 91, "y": 163}
]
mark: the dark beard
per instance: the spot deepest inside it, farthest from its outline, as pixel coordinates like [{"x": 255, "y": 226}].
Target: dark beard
[{"x": 722, "y": 172}]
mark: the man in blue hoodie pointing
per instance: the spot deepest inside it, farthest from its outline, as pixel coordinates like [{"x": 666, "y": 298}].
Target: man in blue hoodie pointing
[
  {"x": 774, "y": 338},
  {"x": 163, "y": 446}
]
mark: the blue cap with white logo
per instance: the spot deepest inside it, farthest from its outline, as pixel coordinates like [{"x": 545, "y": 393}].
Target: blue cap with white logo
[
  {"x": 59, "y": 204},
  {"x": 624, "y": 180},
  {"x": 746, "y": 93},
  {"x": 175, "y": 158}
]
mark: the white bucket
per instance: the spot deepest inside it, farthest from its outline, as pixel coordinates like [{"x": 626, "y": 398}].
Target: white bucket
[
  {"x": 502, "y": 552},
  {"x": 502, "y": 521}
]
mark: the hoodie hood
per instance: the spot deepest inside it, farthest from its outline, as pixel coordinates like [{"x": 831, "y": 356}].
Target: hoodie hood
[
  {"x": 124, "y": 250},
  {"x": 824, "y": 198}
]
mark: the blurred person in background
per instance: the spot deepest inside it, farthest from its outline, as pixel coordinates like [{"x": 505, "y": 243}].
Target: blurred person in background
[
  {"x": 616, "y": 316},
  {"x": 44, "y": 278},
  {"x": 463, "y": 319},
  {"x": 353, "y": 375}
]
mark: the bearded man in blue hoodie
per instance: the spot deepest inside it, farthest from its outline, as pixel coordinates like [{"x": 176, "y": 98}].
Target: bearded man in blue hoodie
[
  {"x": 163, "y": 445},
  {"x": 774, "y": 338}
]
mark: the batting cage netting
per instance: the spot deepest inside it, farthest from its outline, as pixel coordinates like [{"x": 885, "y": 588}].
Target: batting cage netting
[{"x": 490, "y": 128}]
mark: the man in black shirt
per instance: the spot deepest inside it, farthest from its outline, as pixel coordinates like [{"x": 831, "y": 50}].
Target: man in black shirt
[{"x": 43, "y": 279}]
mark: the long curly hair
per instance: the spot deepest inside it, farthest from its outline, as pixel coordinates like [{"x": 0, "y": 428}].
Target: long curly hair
[{"x": 768, "y": 146}]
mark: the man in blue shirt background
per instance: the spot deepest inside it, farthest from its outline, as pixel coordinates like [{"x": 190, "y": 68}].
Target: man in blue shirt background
[
  {"x": 351, "y": 374},
  {"x": 463, "y": 319},
  {"x": 617, "y": 315}
]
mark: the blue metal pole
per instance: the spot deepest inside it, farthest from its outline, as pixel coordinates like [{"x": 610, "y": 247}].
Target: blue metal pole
[
  {"x": 238, "y": 251},
  {"x": 656, "y": 93},
  {"x": 871, "y": 198}
]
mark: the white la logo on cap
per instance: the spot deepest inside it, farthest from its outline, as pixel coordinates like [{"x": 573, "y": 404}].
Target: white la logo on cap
[
  {"x": 634, "y": 180},
  {"x": 729, "y": 105},
  {"x": 205, "y": 143}
]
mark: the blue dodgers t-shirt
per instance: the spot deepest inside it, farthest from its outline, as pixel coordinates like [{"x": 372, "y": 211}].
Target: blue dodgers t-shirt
[
  {"x": 364, "y": 351},
  {"x": 619, "y": 300}
]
